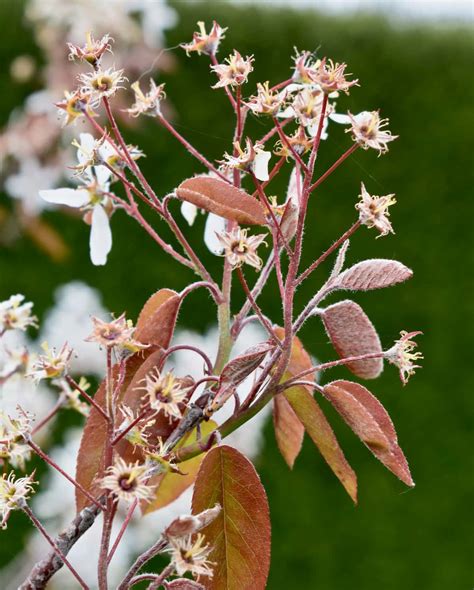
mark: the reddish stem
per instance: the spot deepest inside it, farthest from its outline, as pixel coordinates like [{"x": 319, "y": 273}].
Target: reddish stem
[
  {"x": 336, "y": 164},
  {"x": 50, "y": 540},
  {"x": 87, "y": 397},
  {"x": 346, "y": 235},
  {"x": 53, "y": 464},
  {"x": 193, "y": 151}
]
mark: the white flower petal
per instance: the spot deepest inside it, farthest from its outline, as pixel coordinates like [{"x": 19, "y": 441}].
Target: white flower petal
[
  {"x": 66, "y": 196},
  {"x": 102, "y": 175},
  {"x": 214, "y": 224},
  {"x": 101, "y": 237},
  {"x": 286, "y": 113},
  {"x": 87, "y": 143},
  {"x": 260, "y": 165},
  {"x": 338, "y": 118},
  {"x": 189, "y": 212}
]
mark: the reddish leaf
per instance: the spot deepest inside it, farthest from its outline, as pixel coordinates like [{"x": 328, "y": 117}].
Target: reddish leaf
[
  {"x": 245, "y": 364},
  {"x": 240, "y": 535},
  {"x": 318, "y": 428},
  {"x": 157, "y": 319},
  {"x": 183, "y": 584},
  {"x": 353, "y": 334},
  {"x": 223, "y": 199},
  {"x": 171, "y": 485},
  {"x": 370, "y": 421},
  {"x": 90, "y": 455},
  {"x": 289, "y": 431},
  {"x": 373, "y": 274}
]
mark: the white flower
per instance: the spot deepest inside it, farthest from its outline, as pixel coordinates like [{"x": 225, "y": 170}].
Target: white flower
[
  {"x": 215, "y": 224},
  {"x": 91, "y": 197},
  {"x": 51, "y": 364},
  {"x": 13, "y": 494},
  {"x": 254, "y": 159},
  {"x": 92, "y": 152},
  {"x": 16, "y": 315},
  {"x": 24, "y": 184}
]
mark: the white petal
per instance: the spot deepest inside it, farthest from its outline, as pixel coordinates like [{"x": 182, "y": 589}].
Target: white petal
[
  {"x": 292, "y": 192},
  {"x": 189, "y": 212},
  {"x": 106, "y": 150},
  {"x": 101, "y": 237},
  {"x": 260, "y": 165},
  {"x": 214, "y": 224},
  {"x": 102, "y": 174},
  {"x": 87, "y": 146},
  {"x": 338, "y": 118},
  {"x": 286, "y": 113},
  {"x": 293, "y": 87},
  {"x": 66, "y": 196}
]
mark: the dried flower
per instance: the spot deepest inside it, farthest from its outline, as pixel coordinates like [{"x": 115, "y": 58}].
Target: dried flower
[
  {"x": 16, "y": 315},
  {"x": 137, "y": 435},
  {"x": 235, "y": 72},
  {"x": 305, "y": 67},
  {"x": 373, "y": 211},
  {"x": 92, "y": 51},
  {"x": 13, "y": 494},
  {"x": 253, "y": 159},
  {"x": 101, "y": 83},
  {"x": 367, "y": 131},
  {"x": 330, "y": 77},
  {"x": 188, "y": 555},
  {"x": 149, "y": 103},
  {"x": 266, "y": 102},
  {"x": 119, "y": 333},
  {"x": 402, "y": 356},
  {"x": 299, "y": 141},
  {"x": 165, "y": 392},
  {"x": 203, "y": 42},
  {"x": 240, "y": 249},
  {"x": 52, "y": 364},
  {"x": 76, "y": 104},
  {"x": 128, "y": 481}
]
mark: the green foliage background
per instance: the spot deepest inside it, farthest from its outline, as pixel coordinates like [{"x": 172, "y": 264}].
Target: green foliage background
[{"x": 419, "y": 77}]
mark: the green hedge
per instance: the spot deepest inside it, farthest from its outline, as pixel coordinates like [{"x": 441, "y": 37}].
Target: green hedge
[{"x": 420, "y": 79}]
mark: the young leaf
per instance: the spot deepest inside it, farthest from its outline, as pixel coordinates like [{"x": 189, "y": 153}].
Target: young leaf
[
  {"x": 353, "y": 334},
  {"x": 307, "y": 411},
  {"x": 318, "y": 428},
  {"x": 245, "y": 364},
  {"x": 240, "y": 535},
  {"x": 371, "y": 423},
  {"x": 157, "y": 319},
  {"x": 171, "y": 485},
  {"x": 289, "y": 430},
  {"x": 373, "y": 274},
  {"x": 223, "y": 199}
]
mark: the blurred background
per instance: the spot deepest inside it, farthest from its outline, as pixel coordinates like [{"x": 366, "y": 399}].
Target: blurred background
[{"x": 416, "y": 66}]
